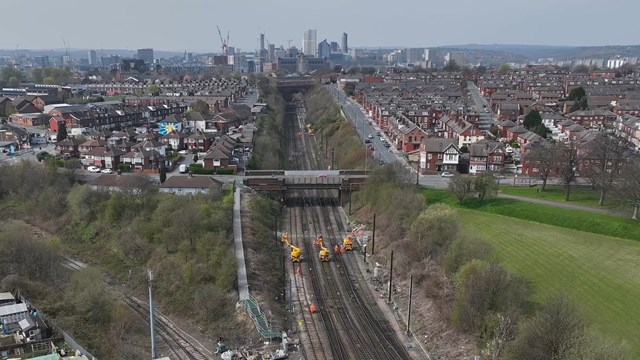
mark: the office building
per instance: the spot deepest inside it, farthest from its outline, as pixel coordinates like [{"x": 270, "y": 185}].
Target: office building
[
  {"x": 146, "y": 55},
  {"x": 272, "y": 52},
  {"x": 457, "y": 57},
  {"x": 261, "y": 43},
  {"x": 413, "y": 55},
  {"x": 334, "y": 47},
  {"x": 345, "y": 47},
  {"x": 309, "y": 44},
  {"x": 42, "y": 61},
  {"x": 324, "y": 49},
  {"x": 93, "y": 58}
]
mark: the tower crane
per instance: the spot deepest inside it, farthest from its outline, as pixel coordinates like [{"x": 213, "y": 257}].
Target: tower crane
[{"x": 225, "y": 42}]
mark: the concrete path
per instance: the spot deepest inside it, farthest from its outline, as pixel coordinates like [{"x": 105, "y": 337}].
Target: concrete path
[
  {"x": 566, "y": 205},
  {"x": 243, "y": 284}
]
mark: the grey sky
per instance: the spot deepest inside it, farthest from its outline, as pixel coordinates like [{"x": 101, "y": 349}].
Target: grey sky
[{"x": 191, "y": 24}]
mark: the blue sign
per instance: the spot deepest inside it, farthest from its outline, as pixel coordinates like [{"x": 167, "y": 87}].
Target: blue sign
[{"x": 11, "y": 149}]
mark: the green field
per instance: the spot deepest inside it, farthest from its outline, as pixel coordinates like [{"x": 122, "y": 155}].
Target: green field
[
  {"x": 579, "y": 196},
  {"x": 600, "y": 273},
  {"x": 603, "y": 224}
]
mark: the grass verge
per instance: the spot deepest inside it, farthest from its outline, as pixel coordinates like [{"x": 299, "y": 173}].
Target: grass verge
[
  {"x": 579, "y": 196},
  {"x": 603, "y": 224},
  {"x": 600, "y": 273}
]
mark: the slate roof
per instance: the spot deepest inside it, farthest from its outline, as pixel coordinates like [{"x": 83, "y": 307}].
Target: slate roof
[{"x": 437, "y": 145}]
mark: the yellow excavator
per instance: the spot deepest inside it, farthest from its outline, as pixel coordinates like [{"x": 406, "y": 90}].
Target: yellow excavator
[
  {"x": 348, "y": 243},
  {"x": 324, "y": 254},
  {"x": 295, "y": 251}
]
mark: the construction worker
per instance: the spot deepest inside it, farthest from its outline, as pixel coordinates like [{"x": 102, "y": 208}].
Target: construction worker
[
  {"x": 312, "y": 308},
  {"x": 335, "y": 249},
  {"x": 342, "y": 249}
]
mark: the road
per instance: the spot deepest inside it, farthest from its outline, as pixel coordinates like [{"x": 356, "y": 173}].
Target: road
[
  {"x": 486, "y": 115},
  {"x": 364, "y": 126}
]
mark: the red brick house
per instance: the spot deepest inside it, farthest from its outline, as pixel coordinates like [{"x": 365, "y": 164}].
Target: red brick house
[
  {"x": 485, "y": 154},
  {"x": 104, "y": 157},
  {"x": 68, "y": 147},
  {"x": 593, "y": 118},
  {"x": 515, "y": 131},
  {"x": 437, "y": 155}
]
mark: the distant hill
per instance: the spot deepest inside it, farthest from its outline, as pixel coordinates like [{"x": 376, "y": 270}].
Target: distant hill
[
  {"x": 534, "y": 52},
  {"x": 83, "y": 53}
]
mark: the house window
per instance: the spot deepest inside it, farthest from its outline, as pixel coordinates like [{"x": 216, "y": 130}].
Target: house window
[
  {"x": 439, "y": 156},
  {"x": 429, "y": 156}
]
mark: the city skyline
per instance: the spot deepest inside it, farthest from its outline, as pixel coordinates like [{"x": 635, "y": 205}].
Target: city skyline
[{"x": 167, "y": 27}]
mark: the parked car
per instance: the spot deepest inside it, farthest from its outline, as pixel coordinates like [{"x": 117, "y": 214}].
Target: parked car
[
  {"x": 381, "y": 162},
  {"x": 183, "y": 152},
  {"x": 387, "y": 145},
  {"x": 367, "y": 141},
  {"x": 370, "y": 136},
  {"x": 106, "y": 171},
  {"x": 183, "y": 168},
  {"x": 93, "y": 169},
  {"x": 446, "y": 174}
]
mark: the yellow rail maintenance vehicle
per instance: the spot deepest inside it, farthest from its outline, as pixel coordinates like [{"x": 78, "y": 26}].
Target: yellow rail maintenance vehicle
[
  {"x": 324, "y": 254},
  {"x": 295, "y": 251},
  {"x": 348, "y": 243}
]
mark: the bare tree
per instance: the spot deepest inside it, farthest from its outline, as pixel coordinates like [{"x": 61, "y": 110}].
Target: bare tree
[
  {"x": 567, "y": 162},
  {"x": 485, "y": 184},
  {"x": 543, "y": 156},
  {"x": 553, "y": 333},
  {"x": 461, "y": 187},
  {"x": 605, "y": 155},
  {"x": 628, "y": 185}
]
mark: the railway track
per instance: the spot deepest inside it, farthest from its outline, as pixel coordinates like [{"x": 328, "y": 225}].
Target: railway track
[
  {"x": 171, "y": 340},
  {"x": 354, "y": 329}
]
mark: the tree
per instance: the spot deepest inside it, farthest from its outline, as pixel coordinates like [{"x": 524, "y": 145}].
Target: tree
[
  {"x": 11, "y": 72},
  {"x": 606, "y": 155},
  {"x": 579, "y": 98},
  {"x": 37, "y": 75},
  {"x": 195, "y": 158},
  {"x": 485, "y": 184},
  {"x": 567, "y": 162},
  {"x": 465, "y": 248},
  {"x": 451, "y": 66},
  {"x": 581, "y": 69},
  {"x": 153, "y": 89},
  {"x": 542, "y": 156},
  {"x": 13, "y": 82},
  {"x": 627, "y": 187},
  {"x": 62, "y": 132},
  {"x": 201, "y": 106},
  {"x": 542, "y": 130},
  {"x": 461, "y": 187},
  {"x": 532, "y": 119},
  {"x": 464, "y": 149},
  {"x": 163, "y": 174},
  {"x": 553, "y": 333},
  {"x": 503, "y": 69},
  {"x": 434, "y": 229},
  {"x": 483, "y": 289}
]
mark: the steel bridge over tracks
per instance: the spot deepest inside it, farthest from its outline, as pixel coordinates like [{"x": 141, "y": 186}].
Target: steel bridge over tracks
[{"x": 280, "y": 182}]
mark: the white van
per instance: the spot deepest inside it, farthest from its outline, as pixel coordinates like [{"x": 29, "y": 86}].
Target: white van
[{"x": 183, "y": 168}]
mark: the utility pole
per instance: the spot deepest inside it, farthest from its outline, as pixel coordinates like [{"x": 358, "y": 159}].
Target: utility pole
[
  {"x": 390, "y": 276},
  {"x": 373, "y": 236},
  {"x": 418, "y": 174},
  {"x": 333, "y": 158},
  {"x": 409, "y": 312},
  {"x": 151, "y": 317}
]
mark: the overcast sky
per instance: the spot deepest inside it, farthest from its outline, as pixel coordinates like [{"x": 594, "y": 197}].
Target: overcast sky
[{"x": 191, "y": 24}]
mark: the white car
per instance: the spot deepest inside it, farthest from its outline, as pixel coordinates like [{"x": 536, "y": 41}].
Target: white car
[
  {"x": 93, "y": 169},
  {"x": 183, "y": 152},
  {"x": 446, "y": 174},
  {"x": 106, "y": 171}
]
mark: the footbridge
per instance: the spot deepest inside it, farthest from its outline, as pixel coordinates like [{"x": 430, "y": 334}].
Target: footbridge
[{"x": 280, "y": 182}]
